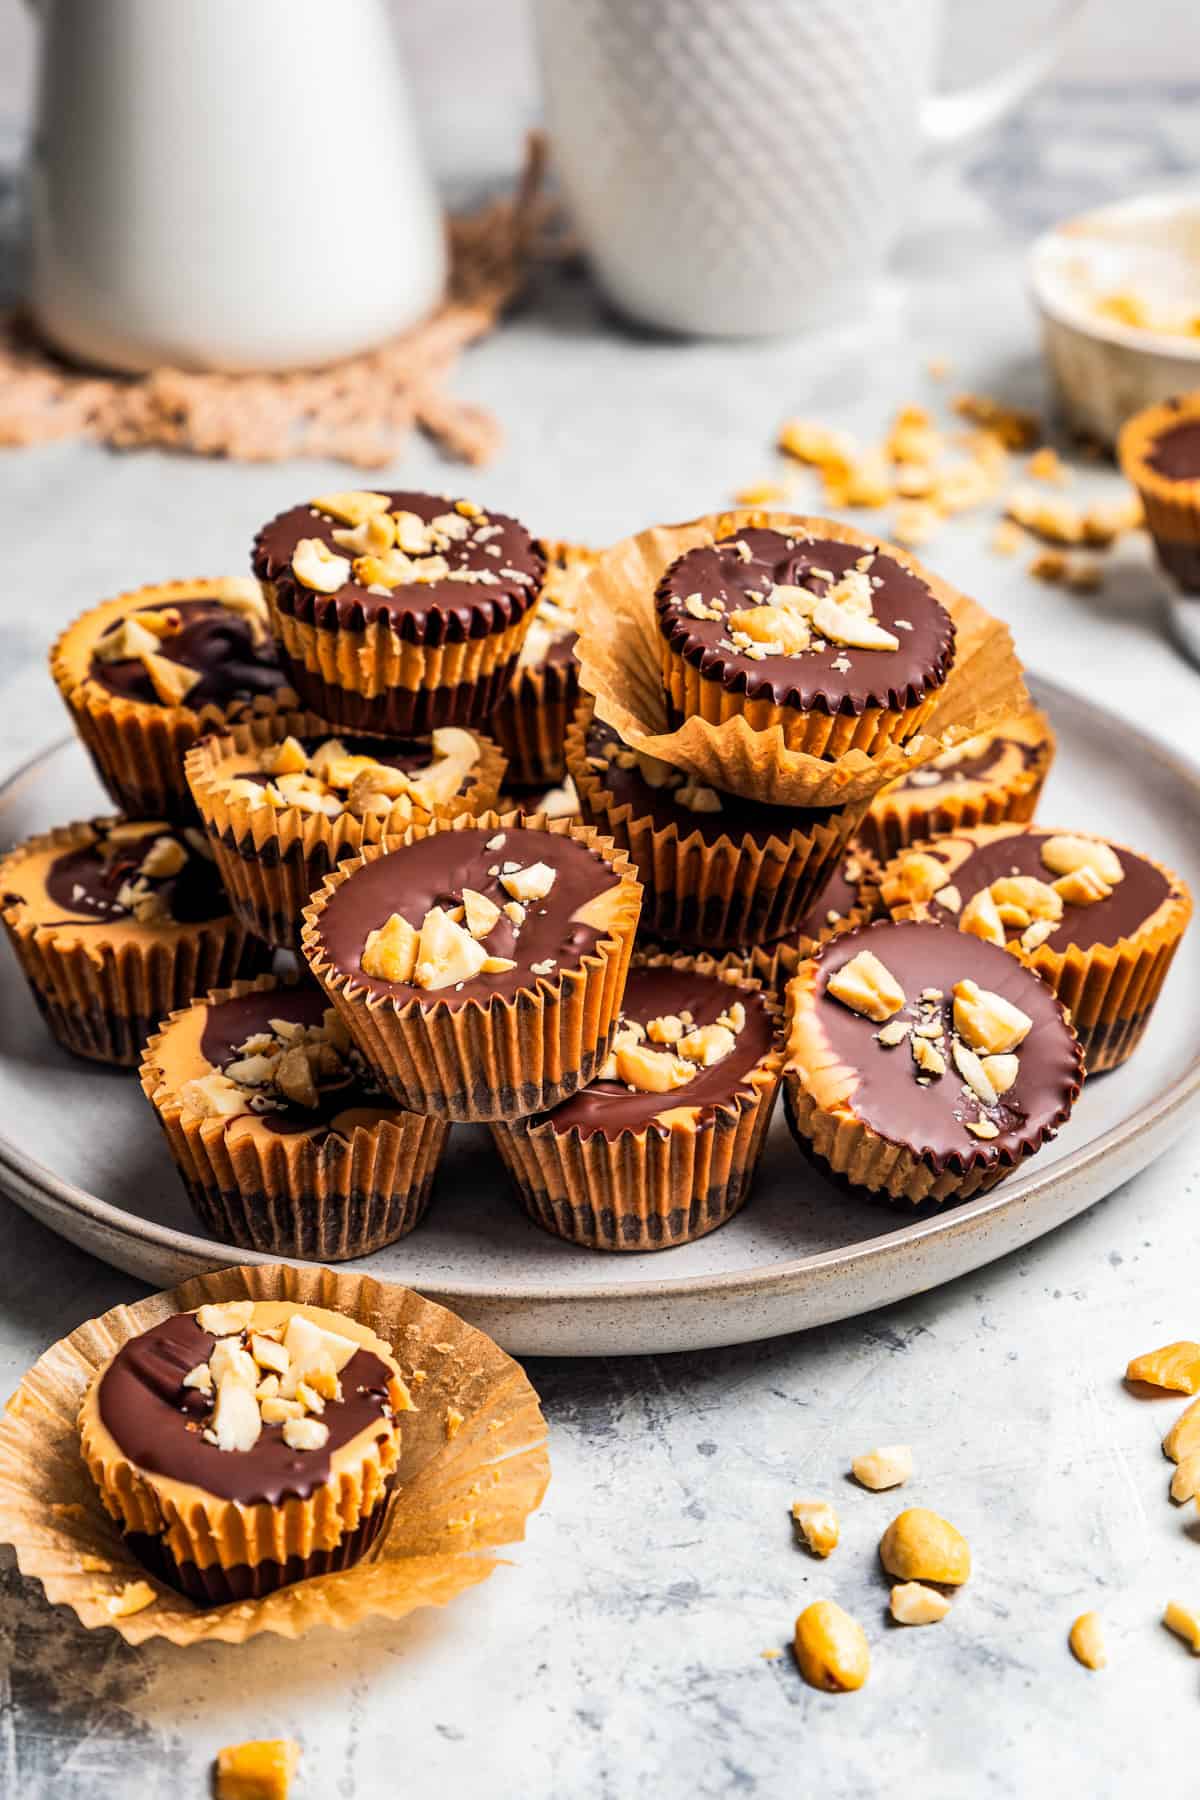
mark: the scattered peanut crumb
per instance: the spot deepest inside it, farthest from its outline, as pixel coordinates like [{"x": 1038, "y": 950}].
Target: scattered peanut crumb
[
  {"x": 134, "y": 1597},
  {"x": 1174, "y": 1366},
  {"x": 1046, "y": 465},
  {"x": 454, "y": 1421},
  {"x": 1007, "y": 538},
  {"x": 1184, "y": 1621},
  {"x": 1049, "y": 566},
  {"x": 260, "y": 1770}
]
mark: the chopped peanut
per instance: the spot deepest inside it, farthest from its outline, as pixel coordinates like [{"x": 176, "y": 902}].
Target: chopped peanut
[
  {"x": 867, "y": 987},
  {"x": 1185, "y": 1623},
  {"x": 256, "y": 1771},
  {"x": 818, "y": 1525},
  {"x": 1064, "y": 854},
  {"x": 1175, "y": 1366},
  {"x": 988, "y": 1022},
  {"x": 886, "y": 1468},
  {"x": 1183, "y": 1439},
  {"x": 980, "y": 918},
  {"x": 914, "y": 1604}
]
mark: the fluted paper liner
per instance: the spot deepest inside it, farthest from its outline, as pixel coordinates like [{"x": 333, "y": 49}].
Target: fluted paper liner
[
  {"x": 273, "y": 859},
  {"x": 818, "y": 1092},
  {"x": 1109, "y": 990},
  {"x": 502, "y": 1058},
  {"x": 530, "y": 723},
  {"x": 138, "y": 749},
  {"x": 1172, "y": 507},
  {"x": 102, "y": 992},
  {"x": 461, "y": 1493},
  {"x": 647, "y": 1189},
  {"x": 898, "y": 819},
  {"x": 732, "y": 890},
  {"x": 775, "y": 964},
  {"x": 347, "y": 676},
  {"x": 620, "y": 664},
  {"x": 285, "y": 1194}
]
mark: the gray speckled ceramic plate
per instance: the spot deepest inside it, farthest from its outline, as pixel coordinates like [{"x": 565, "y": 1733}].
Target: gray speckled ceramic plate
[{"x": 80, "y": 1150}]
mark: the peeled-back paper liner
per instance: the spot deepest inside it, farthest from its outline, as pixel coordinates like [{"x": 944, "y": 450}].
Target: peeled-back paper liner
[
  {"x": 900, "y": 818},
  {"x": 272, "y": 859},
  {"x": 1109, "y": 990},
  {"x": 647, "y": 1189},
  {"x": 731, "y": 890},
  {"x": 101, "y": 995},
  {"x": 503, "y": 1057},
  {"x": 288, "y": 1193},
  {"x": 463, "y": 1489},
  {"x": 620, "y": 664},
  {"x": 138, "y": 749},
  {"x": 818, "y": 1092}
]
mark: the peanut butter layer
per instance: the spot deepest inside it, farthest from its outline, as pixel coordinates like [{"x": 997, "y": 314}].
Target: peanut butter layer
[
  {"x": 710, "y": 599},
  {"x": 992, "y": 760}
]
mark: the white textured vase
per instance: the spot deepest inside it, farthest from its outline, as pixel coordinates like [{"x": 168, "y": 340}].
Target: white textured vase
[{"x": 742, "y": 167}]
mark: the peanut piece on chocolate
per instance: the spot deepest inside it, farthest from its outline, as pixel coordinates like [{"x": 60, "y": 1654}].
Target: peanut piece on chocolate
[
  {"x": 316, "y": 565},
  {"x": 1065, "y": 853},
  {"x": 651, "y": 1071},
  {"x": 531, "y": 883},
  {"x": 980, "y": 918},
  {"x": 866, "y": 986},
  {"x": 352, "y": 506},
  {"x": 390, "y": 953},
  {"x": 986, "y": 1021},
  {"x": 171, "y": 681}
]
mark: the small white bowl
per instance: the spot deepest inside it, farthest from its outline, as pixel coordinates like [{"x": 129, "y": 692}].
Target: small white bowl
[{"x": 1105, "y": 371}]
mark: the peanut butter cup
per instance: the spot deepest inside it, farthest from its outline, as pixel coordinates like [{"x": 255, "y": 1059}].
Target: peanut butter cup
[
  {"x": 115, "y": 922},
  {"x": 399, "y": 612},
  {"x": 840, "y": 647},
  {"x": 530, "y": 723},
  {"x": 661, "y": 1146},
  {"x": 247, "y": 1445},
  {"x": 283, "y": 802},
  {"x": 478, "y": 965},
  {"x": 144, "y": 675},
  {"x": 716, "y": 870},
  {"x": 1098, "y": 922},
  {"x": 991, "y": 778},
  {"x": 923, "y": 1067},
  {"x": 281, "y": 1135},
  {"x": 1159, "y": 452}
]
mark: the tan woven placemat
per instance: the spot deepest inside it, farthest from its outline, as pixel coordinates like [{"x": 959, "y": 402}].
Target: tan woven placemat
[{"x": 359, "y": 411}]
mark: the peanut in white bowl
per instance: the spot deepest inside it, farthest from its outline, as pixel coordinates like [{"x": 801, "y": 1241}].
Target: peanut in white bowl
[{"x": 1105, "y": 369}]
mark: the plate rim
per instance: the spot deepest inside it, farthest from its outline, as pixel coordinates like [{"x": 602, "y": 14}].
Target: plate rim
[{"x": 1152, "y": 1117}]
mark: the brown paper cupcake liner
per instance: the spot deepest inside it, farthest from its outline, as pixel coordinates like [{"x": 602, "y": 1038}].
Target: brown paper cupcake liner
[
  {"x": 472, "y": 1467},
  {"x": 102, "y": 997},
  {"x": 822, "y": 1120},
  {"x": 717, "y": 893},
  {"x": 138, "y": 749},
  {"x": 530, "y": 723},
  {"x": 620, "y": 664},
  {"x": 775, "y": 964},
  {"x": 501, "y": 1059},
  {"x": 648, "y": 1189},
  {"x": 272, "y": 861},
  {"x": 1109, "y": 990},
  {"x": 1172, "y": 507},
  {"x": 373, "y": 680},
  {"x": 288, "y": 1193},
  {"x": 896, "y": 820},
  {"x": 826, "y": 736}
]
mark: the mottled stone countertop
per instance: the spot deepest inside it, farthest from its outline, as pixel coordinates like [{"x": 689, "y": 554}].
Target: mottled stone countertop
[{"x": 622, "y": 1652}]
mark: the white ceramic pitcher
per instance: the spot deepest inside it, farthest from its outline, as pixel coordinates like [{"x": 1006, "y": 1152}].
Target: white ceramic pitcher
[
  {"x": 743, "y": 167},
  {"x": 230, "y": 184}
]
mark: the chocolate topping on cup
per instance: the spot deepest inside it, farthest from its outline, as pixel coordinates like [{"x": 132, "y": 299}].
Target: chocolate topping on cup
[
  {"x": 493, "y": 572},
  {"x": 663, "y": 993},
  {"x": 221, "y": 644},
  {"x": 931, "y": 1114},
  {"x": 157, "y": 1422},
  {"x": 1175, "y": 453},
  {"x": 738, "y": 574},
  {"x": 113, "y": 878}
]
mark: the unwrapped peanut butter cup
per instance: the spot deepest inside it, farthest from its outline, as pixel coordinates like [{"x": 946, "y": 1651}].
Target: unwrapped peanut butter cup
[
  {"x": 1099, "y": 923},
  {"x": 478, "y": 964},
  {"x": 661, "y": 1146},
  {"x": 399, "y": 612},
  {"x": 923, "y": 1066},
  {"x": 146, "y": 674},
  {"x": 411, "y": 1504}
]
